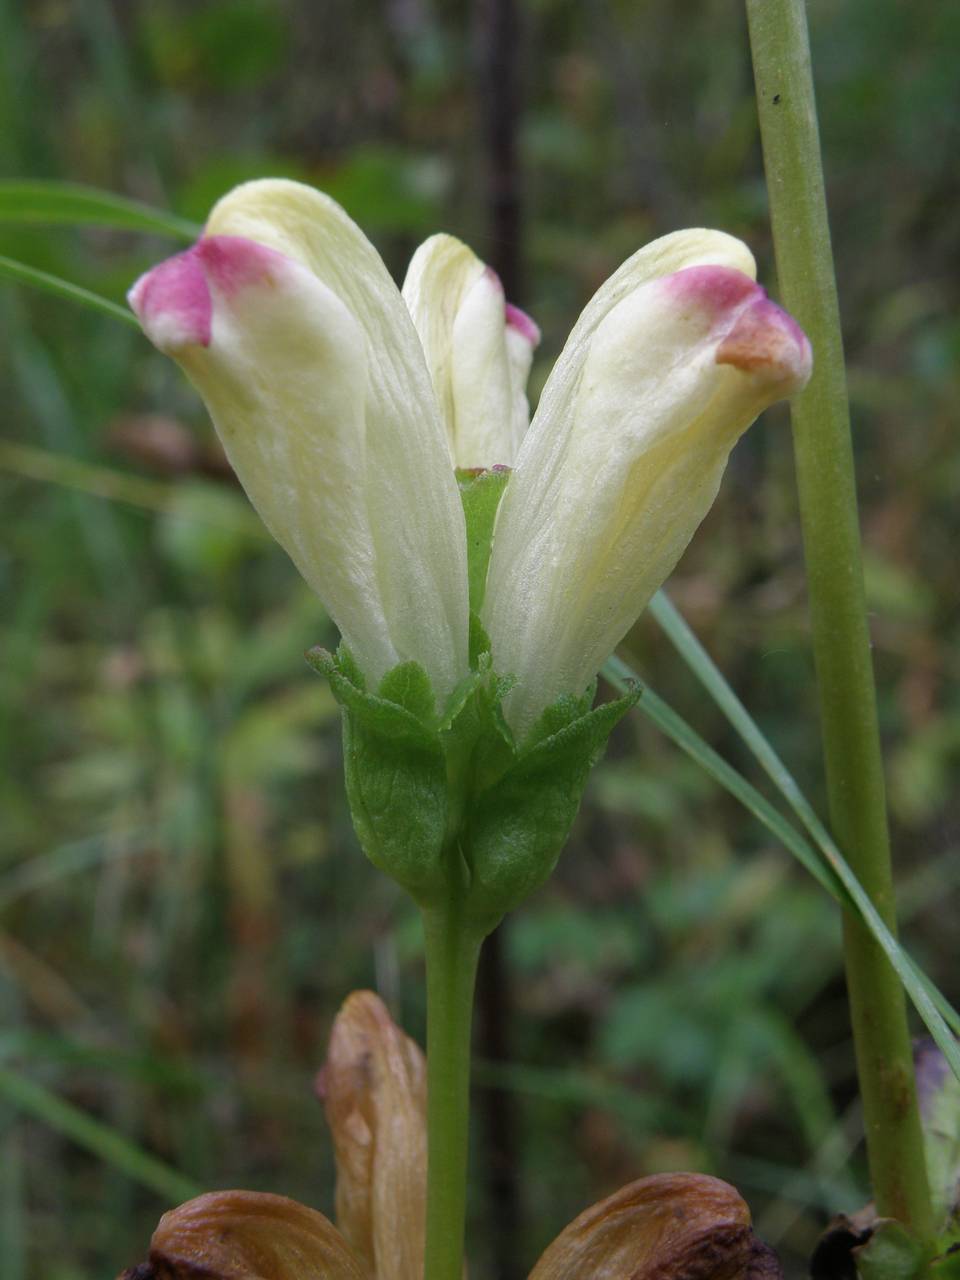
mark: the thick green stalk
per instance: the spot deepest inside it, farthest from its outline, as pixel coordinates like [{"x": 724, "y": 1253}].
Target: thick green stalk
[
  {"x": 841, "y": 641},
  {"x": 452, "y": 951}
]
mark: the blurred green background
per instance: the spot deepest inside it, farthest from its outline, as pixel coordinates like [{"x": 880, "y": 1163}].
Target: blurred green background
[{"x": 182, "y": 902}]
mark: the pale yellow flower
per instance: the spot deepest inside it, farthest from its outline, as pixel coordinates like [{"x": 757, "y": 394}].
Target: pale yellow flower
[{"x": 344, "y": 407}]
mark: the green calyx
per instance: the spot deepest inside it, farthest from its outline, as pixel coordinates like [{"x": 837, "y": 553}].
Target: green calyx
[
  {"x": 445, "y": 800},
  {"x": 447, "y": 803}
]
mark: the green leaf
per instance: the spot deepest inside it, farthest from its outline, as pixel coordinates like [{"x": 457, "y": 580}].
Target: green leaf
[
  {"x": 515, "y": 830},
  {"x": 825, "y": 862},
  {"x": 105, "y": 1143},
  {"x": 70, "y": 204},
  {"x": 891, "y": 1253},
  {"x": 20, "y": 273},
  {"x": 946, "y": 1267},
  {"x": 480, "y": 493}
]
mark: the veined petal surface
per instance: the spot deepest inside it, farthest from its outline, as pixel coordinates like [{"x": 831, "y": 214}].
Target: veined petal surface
[
  {"x": 247, "y": 1235},
  {"x": 673, "y": 358},
  {"x": 374, "y": 1087},
  {"x": 666, "y": 1227},
  {"x": 478, "y": 349},
  {"x": 314, "y": 375}
]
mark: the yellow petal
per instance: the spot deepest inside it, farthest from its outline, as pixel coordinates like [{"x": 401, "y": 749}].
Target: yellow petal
[
  {"x": 478, "y": 350},
  {"x": 667, "y": 366},
  {"x": 677, "y": 1226},
  {"x": 375, "y": 1091},
  {"x": 247, "y": 1235}
]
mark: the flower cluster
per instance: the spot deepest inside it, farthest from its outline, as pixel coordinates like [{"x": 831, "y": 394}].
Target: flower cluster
[
  {"x": 344, "y": 406},
  {"x": 480, "y": 567}
]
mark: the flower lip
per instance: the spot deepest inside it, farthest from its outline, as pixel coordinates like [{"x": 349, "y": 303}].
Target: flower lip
[
  {"x": 767, "y": 342},
  {"x": 173, "y": 303},
  {"x": 755, "y": 335}
]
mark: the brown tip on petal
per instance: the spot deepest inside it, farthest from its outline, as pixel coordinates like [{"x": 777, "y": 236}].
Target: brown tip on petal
[
  {"x": 766, "y": 342},
  {"x": 246, "y": 1235},
  {"x": 375, "y": 1095},
  {"x": 677, "y": 1226}
]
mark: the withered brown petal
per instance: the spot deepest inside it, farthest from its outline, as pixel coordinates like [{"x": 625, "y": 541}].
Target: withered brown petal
[
  {"x": 674, "y": 1226},
  {"x": 375, "y": 1093},
  {"x": 247, "y": 1235}
]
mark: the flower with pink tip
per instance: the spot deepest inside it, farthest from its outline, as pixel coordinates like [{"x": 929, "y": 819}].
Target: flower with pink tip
[{"x": 345, "y": 406}]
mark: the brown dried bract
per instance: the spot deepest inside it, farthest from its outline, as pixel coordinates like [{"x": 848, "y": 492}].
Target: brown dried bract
[
  {"x": 246, "y": 1235},
  {"x": 374, "y": 1088},
  {"x": 677, "y": 1226}
]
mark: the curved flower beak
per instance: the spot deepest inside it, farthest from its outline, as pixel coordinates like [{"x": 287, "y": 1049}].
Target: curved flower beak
[
  {"x": 374, "y": 1088},
  {"x": 478, "y": 349},
  {"x": 286, "y": 320},
  {"x": 670, "y": 362}
]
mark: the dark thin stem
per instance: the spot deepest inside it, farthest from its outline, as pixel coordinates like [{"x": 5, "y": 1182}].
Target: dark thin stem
[
  {"x": 841, "y": 640},
  {"x": 499, "y": 41},
  {"x": 499, "y": 34}
]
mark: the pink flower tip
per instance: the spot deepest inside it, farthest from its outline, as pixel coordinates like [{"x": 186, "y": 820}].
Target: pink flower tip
[
  {"x": 232, "y": 263},
  {"x": 173, "y": 303},
  {"x": 522, "y": 323}
]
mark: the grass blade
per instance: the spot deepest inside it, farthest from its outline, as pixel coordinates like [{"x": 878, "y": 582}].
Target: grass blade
[
  {"x": 22, "y": 274},
  {"x": 96, "y": 1137},
  {"x": 67, "y": 203},
  {"x": 829, "y": 869},
  {"x": 686, "y": 643}
]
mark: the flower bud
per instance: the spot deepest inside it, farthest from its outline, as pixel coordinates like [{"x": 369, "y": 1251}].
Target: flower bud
[
  {"x": 668, "y": 365},
  {"x": 478, "y": 349}
]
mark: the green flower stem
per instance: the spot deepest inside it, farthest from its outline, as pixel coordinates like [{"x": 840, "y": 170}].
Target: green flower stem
[
  {"x": 841, "y": 641},
  {"x": 452, "y": 951}
]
